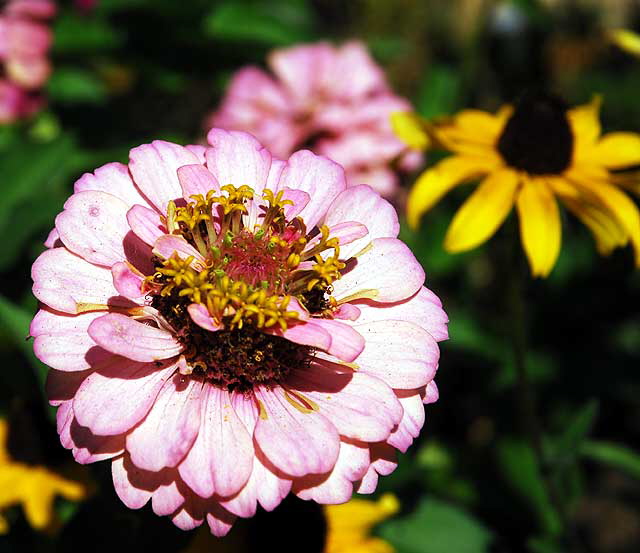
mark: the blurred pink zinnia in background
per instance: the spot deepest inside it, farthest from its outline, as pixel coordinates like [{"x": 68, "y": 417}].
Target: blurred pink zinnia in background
[
  {"x": 334, "y": 100},
  {"x": 228, "y": 327},
  {"x": 24, "y": 42}
]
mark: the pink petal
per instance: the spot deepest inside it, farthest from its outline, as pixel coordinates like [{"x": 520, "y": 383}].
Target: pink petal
[
  {"x": 154, "y": 168},
  {"x": 362, "y": 204},
  {"x": 275, "y": 172},
  {"x": 402, "y": 354},
  {"x": 89, "y": 448},
  {"x": 411, "y": 423},
  {"x": 220, "y": 521},
  {"x": 112, "y": 400},
  {"x": 125, "y": 336},
  {"x": 360, "y": 406},
  {"x": 132, "y": 496},
  {"x": 195, "y": 510},
  {"x": 200, "y": 315},
  {"x": 368, "y": 483},
  {"x": 113, "y": 178},
  {"x": 337, "y": 486},
  {"x": 167, "y": 499},
  {"x": 431, "y": 393},
  {"x": 307, "y": 334},
  {"x": 199, "y": 151},
  {"x": 346, "y": 343},
  {"x": 238, "y": 158},
  {"x": 145, "y": 223},
  {"x": 221, "y": 458},
  {"x": 167, "y": 433},
  {"x": 53, "y": 239},
  {"x": 168, "y": 244},
  {"x": 345, "y": 232},
  {"x": 299, "y": 198},
  {"x": 127, "y": 280},
  {"x": 64, "y": 418},
  {"x": 303, "y": 69},
  {"x": 380, "y": 178},
  {"x": 68, "y": 283},
  {"x": 196, "y": 179},
  {"x": 387, "y": 272},
  {"x": 347, "y": 311},
  {"x": 296, "y": 442},
  {"x": 61, "y": 341},
  {"x": 319, "y": 177},
  {"x": 263, "y": 486},
  {"x": 37, "y": 9},
  {"x": 383, "y": 462},
  {"x": 423, "y": 309},
  {"x": 365, "y": 76},
  {"x": 185, "y": 521}
]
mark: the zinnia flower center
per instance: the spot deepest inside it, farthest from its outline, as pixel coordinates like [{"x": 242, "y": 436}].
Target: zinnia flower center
[
  {"x": 537, "y": 137},
  {"x": 243, "y": 283}
]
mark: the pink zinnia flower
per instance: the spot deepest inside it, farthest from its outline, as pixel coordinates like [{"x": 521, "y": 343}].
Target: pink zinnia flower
[
  {"x": 228, "y": 327},
  {"x": 24, "y": 42},
  {"x": 335, "y": 100}
]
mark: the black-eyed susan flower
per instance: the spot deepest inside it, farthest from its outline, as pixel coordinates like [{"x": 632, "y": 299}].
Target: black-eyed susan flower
[
  {"x": 529, "y": 156},
  {"x": 33, "y": 487}
]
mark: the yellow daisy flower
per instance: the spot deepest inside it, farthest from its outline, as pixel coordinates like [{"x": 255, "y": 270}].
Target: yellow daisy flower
[
  {"x": 34, "y": 487},
  {"x": 529, "y": 156},
  {"x": 349, "y": 525}
]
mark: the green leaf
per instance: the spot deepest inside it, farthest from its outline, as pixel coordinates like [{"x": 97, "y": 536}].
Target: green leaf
[
  {"x": 271, "y": 23},
  {"x": 520, "y": 469},
  {"x": 616, "y": 455},
  {"x": 437, "y": 527},
  {"x": 15, "y": 321},
  {"x": 71, "y": 85},
  {"x": 76, "y": 34},
  {"x": 566, "y": 446},
  {"x": 439, "y": 91},
  {"x": 33, "y": 187}
]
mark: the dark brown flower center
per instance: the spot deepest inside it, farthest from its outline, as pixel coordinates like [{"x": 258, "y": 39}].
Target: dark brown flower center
[
  {"x": 537, "y": 137},
  {"x": 236, "y": 359}
]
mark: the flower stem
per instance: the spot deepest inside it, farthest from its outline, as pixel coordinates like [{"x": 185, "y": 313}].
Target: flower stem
[{"x": 527, "y": 401}]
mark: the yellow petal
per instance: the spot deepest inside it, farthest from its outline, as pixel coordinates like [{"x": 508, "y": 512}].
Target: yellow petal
[
  {"x": 606, "y": 230},
  {"x": 540, "y": 226},
  {"x": 484, "y": 127},
  {"x": 584, "y": 121},
  {"x": 483, "y": 212},
  {"x": 619, "y": 204},
  {"x": 409, "y": 128},
  {"x": 627, "y": 40},
  {"x": 442, "y": 177},
  {"x": 349, "y": 525},
  {"x": 470, "y": 132},
  {"x": 617, "y": 150}
]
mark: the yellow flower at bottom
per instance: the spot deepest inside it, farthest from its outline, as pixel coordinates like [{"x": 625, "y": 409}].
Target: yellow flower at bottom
[
  {"x": 34, "y": 487},
  {"x": 349, "y": 525},
  {"x": 530, "y": 156}
]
